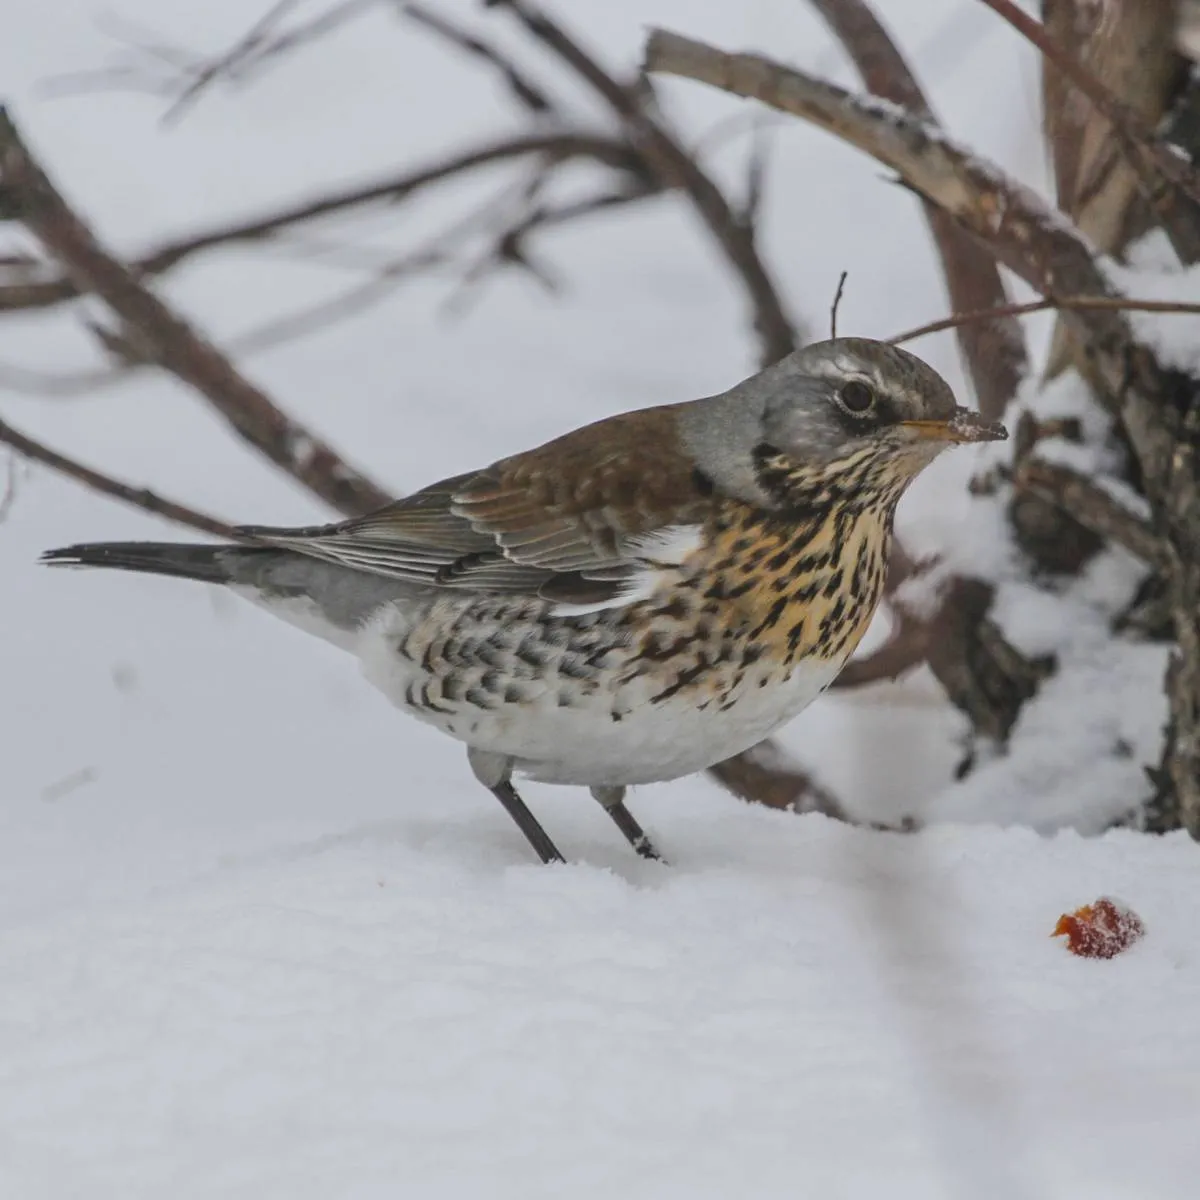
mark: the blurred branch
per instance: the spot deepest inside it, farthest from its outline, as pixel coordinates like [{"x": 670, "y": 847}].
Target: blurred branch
[
  {"x": 673, "y": 167},
  {"x": 767, "y": 775},
  {"x": 141, "y": 498},
  {"x": 184, "y": 76},
  {"x": 531, "y": 95},
  {"x": 9, "y": 496},
  {"x": 1092, "y": 507},
  {"x": 506, "y": 249},
  {"x": 1165, "y": 177},
  {"x": 904, "y": 650},
  {"x": 1111, "y": 303},
  {"x": 993, "y": 348},
  {"x": 165, "y": 338},
  {"x": 555, "y": 147}
]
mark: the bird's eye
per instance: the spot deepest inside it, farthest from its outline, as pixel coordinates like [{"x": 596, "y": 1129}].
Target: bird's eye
[{"x": 856, "y": 398}]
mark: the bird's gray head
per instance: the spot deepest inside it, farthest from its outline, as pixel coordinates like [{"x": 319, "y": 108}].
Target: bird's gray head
[{"x": 851, "y": 409}]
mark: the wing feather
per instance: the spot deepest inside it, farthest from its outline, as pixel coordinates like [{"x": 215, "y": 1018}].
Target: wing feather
[{"x": 578, "y": 520}]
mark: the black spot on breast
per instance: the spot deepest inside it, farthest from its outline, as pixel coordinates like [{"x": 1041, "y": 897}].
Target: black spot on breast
[
  {"x": 685, "y": 677},
  {"x": 716, "y": 590},
  {"x": 675, "y": 609},
  {"x": 702, "y": 483},
  {"x": 806, "y": 593},
  {"x": 772, "y": 618}
]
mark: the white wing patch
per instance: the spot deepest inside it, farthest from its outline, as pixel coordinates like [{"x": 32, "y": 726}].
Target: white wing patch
[{"x": 670, "y": 546}]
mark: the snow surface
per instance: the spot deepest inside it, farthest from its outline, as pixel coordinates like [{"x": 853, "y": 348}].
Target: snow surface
[{"x": 261, "y": 936}]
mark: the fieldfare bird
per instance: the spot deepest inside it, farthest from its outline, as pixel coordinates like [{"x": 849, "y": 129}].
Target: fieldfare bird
[{"x": 631, "y": 602}]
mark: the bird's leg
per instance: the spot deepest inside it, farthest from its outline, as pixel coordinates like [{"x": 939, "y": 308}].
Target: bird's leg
[
  {"x": 494, "y": 771},
  {"x": 613, "y": 800}
]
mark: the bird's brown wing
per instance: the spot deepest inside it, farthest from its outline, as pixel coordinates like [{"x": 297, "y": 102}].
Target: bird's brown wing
[{"x": 572, "y": 520}]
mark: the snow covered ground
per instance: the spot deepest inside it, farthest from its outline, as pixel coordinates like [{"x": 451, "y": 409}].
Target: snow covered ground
[{"x": 259, "y": 936}]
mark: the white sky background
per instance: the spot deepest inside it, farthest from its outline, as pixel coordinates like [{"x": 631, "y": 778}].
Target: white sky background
[{"x": 272, "y": 904}]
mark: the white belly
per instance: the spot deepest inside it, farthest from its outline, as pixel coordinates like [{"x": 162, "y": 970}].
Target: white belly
[
  {"x": 615, "y": 734},
  {"x": 655, "y": 743}
]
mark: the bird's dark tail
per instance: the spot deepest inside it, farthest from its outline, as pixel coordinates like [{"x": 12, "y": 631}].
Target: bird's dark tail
[
  {"x": 207, "y": 563},
  {"x": 341, "y": 597}
]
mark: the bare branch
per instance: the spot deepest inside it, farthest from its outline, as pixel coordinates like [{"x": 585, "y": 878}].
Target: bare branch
[
  {"x": 170, "y": 341},
  {"x": 766, "y": 774},
  {"x": 674, "y": 167},
  {"x": 1111, "y": 303},
  {"x": 1092, "y": 507},
  {"x": 983, "y": 675},
  {"x": 557, "y": 147},
  {"x": 141, "y": 498},
  {"x": 994, "y": 349},
  {"x": 1165, "y": 177},
  {"x": 528, "y": 93},
  {"x": 904, "y": 650}
]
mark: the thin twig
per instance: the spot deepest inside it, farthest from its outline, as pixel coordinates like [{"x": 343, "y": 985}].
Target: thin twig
[
  {"x": 531, "y": 95},
  {"x": 141, "y": 498},
  {"x": 255, "y": 48},
  {"x": 833, "y": 308},
  {"x": 994, "y": 351},
  {"x": 675, "y": 168},
  {"x": 171, "y": 342},
  {"x": 1110, "y": 303}
]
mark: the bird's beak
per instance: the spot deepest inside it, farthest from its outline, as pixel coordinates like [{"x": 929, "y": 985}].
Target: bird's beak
[{"x": 963, "y": 426}]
